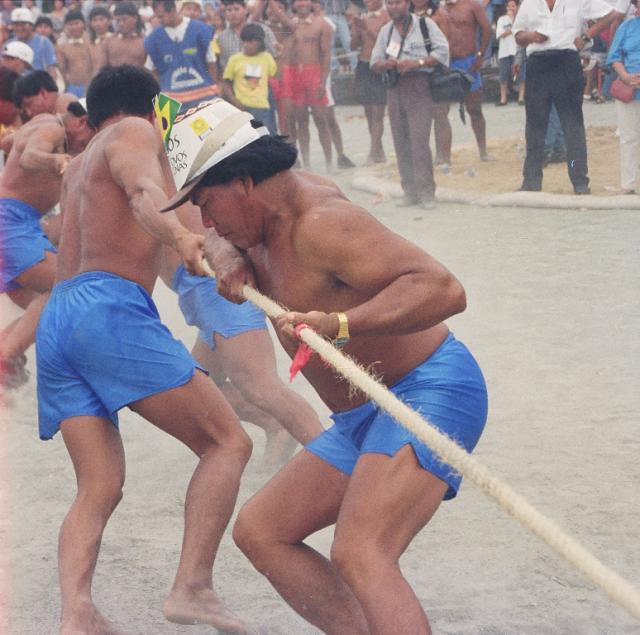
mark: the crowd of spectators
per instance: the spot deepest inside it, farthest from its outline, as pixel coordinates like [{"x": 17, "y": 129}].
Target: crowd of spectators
[{"x": 276, "y": 59}]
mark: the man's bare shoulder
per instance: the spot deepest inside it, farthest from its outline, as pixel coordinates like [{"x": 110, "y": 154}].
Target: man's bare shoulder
[
  {"x": 327, "y": 218},
  {"x": 39, "y": 122},
  {"x": 132, "y": 132}
]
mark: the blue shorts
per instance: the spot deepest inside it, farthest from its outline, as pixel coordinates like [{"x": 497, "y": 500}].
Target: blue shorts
[
  {"x": 203, "y": 307},
  {"x": 464, "y": 64},
  {"x": 76, "y": 89},
  {"x": 100, "y": 346},
  {"x": 447, "y": 389},
  {"x": 22, "y": 242}
]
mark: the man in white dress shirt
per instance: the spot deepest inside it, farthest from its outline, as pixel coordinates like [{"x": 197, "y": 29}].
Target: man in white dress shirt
[{"x": 552, "y": 31}]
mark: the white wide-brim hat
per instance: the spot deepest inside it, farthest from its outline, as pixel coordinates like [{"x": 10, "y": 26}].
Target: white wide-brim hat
[{"x": 200, "y": 138}]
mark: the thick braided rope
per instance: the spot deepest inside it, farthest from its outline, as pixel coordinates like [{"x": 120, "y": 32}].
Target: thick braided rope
[{"x": 614, "y": 585}]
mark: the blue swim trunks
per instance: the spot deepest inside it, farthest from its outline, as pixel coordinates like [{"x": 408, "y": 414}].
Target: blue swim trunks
[
  {"x": 22, "y": 242},
  {"x": 464, "y": 64},
  {"x": 447, "y": 389},
  {"x": 204, "y": 307},
  {"x": 100, "y": 346}
]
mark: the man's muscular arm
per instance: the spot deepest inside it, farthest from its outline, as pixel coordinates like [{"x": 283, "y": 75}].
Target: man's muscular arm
[
  {"x": 326, "y": 35},
  {"x": 232, "y": 268},
  {"x": 483, "y": 23},
  {"x": 410, "y": 291},
  {"x": 42, "y": 151},
  {"x": 133, "y": 157}
]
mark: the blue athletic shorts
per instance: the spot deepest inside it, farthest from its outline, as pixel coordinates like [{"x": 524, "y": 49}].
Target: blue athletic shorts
[
  {"x": 100, "y": 346},
  {"x": 203, "y": 307},
  {"x": 22, "y": 242},
  {"x": 464, "y": 64},
  {"x": 447, "y": 389}
]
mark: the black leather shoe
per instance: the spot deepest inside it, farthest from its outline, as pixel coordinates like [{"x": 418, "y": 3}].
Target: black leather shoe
[
  {"x": 581, "y": 190},
  {"x": 530, "y": 188}
]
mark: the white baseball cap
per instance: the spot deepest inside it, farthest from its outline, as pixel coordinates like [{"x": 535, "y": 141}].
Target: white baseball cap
[
  {"x": 201, "y": 138},
  {"x": 19, "y": 50},
  {"x": 22, "y": 14},
  {"x": 198, "y": 2}
]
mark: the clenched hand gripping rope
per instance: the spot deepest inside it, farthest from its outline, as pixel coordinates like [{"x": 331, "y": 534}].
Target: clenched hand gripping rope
[{"x": 614, "y": 585}]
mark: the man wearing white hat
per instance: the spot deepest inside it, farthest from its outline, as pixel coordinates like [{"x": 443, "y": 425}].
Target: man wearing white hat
[
  {"x": 310, "y": 248},
  {"x": 101, "y": 347},
  {"x": 17, "y": 56},
  {"x": 44, "y": 55}
]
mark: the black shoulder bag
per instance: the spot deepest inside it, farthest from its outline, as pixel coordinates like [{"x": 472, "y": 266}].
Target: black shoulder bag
[{"x": 447, "y": 85}]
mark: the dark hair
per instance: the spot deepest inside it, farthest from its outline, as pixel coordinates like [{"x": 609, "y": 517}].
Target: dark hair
[
  {"x": 31, "y": 84},
  {"x": 74, "y": 15},
  {"x": 252, "y": 32},
  {"x": 103, "y": 11},
  {"x": 43, "y": 19},
  {"x": 122, "y": 89},
  {"x": 259, "y": 160},
  {"x": 128, "y": 8},
  {"x": 226, "y": 3},
  {"x": 7, "y": 82},
  {"x": 125, "y": 8},
  {"x": 76, "y": 109},
  {"x": 167, "y": 5}
]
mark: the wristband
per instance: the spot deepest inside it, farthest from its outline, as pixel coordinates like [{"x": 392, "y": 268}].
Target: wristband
[{"x": 343, "y": 330}]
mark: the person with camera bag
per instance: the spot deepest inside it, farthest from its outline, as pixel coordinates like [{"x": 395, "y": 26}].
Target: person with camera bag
[{"x": 401, "y": 57}]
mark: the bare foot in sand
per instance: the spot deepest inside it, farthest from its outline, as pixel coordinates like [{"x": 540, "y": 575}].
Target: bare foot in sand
[
  {"x": 279, "y": 448},
  {"x": 88, "y": 621},
  {"x": 204, "y": 607}
]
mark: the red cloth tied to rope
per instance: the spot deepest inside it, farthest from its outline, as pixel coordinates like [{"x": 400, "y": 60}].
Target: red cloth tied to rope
[{"x": 302, "y": 356}]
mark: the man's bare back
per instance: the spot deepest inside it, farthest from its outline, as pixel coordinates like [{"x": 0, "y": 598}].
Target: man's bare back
[
  {"x": 465, "y": 17},
  {"x": 33, "y": 171},
  {"x": 100, "y": 232},
  {"x": 318, "y": 219}
]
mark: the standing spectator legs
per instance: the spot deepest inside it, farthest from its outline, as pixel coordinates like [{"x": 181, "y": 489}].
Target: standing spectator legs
[
  {"x": 375, "y": 122},
  {"x": 410, "y": 116},
  {"x": 473, "y": 104},
  {"x": 555, "y": 150},
  {"x": 567, "y": 97},
  {"x": 629, "y": 124},
  {"x": 443, "y": 133},
  {"x": 537, "y": 107}
]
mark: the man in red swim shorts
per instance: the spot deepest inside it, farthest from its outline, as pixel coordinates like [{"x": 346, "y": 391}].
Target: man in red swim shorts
[{"x": 304, "y": 80}]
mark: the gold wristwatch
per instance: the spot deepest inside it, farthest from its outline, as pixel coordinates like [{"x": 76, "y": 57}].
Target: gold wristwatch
[{"x": 343, "y": 330}]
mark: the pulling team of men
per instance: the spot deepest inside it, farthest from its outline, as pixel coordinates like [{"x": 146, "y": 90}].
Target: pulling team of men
[{"x": 101, "y": 346}]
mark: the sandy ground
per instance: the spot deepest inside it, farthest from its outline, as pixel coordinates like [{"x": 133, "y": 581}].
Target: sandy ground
[
  {"x": 504, "y": 172},
  {"x": 553, "y": 317}
]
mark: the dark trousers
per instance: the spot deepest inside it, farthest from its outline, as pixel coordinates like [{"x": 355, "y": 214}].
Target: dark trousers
[
  {"x": 554, "y": 77},
  {"x": 410, "y": 117}
]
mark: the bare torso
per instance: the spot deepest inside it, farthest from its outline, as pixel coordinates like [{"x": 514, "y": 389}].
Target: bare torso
[
  {"x": 76, "y": 62},
  {"x": 286, "y": 274},
  {"x": 369, "y": 33},
  {"x": 38, "y": 188},
  {"x": 307, "y": 38},
  {"x": 99, "y": 231},
  {"x": 119, "y": 50},
  {"x": 463, "y": 24}
]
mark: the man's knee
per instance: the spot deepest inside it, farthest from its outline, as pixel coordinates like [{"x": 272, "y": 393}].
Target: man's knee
[
  {"x": 102, "y": 495},
  {"x": 355, "y": 559},
  {"x": 252, "y": 537}
]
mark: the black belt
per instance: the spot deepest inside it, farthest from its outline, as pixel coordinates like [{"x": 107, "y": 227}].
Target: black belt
[{"x": 552, "y": 52}]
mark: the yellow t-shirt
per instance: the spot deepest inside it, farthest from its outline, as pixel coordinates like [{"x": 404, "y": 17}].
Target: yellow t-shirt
[{"x": 250, "y": 77}]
